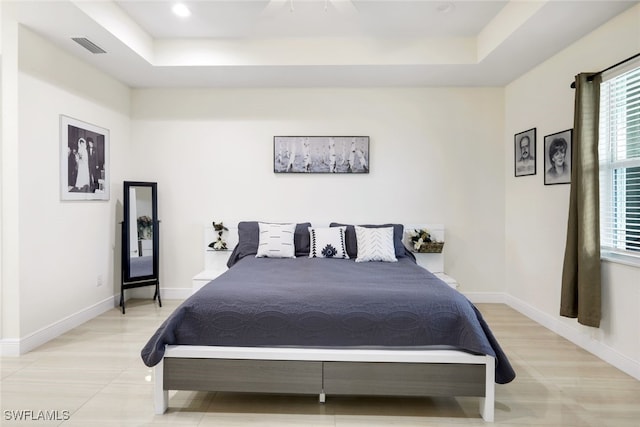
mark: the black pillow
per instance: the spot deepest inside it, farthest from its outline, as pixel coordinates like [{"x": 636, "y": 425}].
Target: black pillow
[
  {"x": 352, "y": 242},
  {"x": 301, "y": 239}
]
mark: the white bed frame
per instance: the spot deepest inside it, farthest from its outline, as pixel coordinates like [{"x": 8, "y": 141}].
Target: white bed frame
[{"x": 326, "y": 371}]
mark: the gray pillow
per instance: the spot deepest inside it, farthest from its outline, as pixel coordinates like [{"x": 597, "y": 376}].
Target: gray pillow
[
  {"x": 352, "y": 242},
  {"x": 249, "y": 237}
]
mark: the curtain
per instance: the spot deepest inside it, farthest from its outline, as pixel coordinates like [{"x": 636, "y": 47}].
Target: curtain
[{"x": 581, "y": 283}]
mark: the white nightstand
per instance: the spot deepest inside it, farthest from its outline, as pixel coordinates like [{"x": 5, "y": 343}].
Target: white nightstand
[
  {"x": 447, "y": 279},
  {"x": 215, "y": 265},
  {"x": 202, "y": 278},
  {"x": 145, "y": 247},
  {"x": 434, "y": 262}
]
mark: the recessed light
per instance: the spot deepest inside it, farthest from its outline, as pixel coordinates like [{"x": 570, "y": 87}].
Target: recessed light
[
  {"x": 181, "y": 10},
  {"x": 445, "y": 7}
]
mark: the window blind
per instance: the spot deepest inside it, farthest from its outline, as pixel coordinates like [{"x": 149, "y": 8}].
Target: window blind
[{"x": 619, "y": 154}]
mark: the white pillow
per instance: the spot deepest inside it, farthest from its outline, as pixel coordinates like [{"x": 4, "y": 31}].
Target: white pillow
[
  {"x": 375, "y": 244},
  {"x": 328, "y": 242},
  {"x": 276, "y": 240}
]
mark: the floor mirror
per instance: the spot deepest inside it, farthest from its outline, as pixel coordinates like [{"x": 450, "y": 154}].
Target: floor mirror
[{"x": 140, "y": 238}]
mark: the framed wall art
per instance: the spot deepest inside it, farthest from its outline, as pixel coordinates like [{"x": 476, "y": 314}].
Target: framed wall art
[
  {"x": 557, "y": 158},
  {"x": 525, "y": 152},
  {"x": 84, "y": 160},
  {"x": 321, "y": 154}
]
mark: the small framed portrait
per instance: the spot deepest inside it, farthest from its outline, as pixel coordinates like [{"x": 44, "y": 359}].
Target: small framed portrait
[
  {"x": 525, "y": 152},
  {"x": 557, "y": 158},
  {"x": 84, "y": 160}
]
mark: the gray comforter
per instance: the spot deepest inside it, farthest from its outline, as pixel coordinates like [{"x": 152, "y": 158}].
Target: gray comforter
[{"x": 328, "y": 303}]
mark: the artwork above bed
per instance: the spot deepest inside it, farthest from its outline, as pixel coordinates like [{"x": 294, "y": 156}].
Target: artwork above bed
[{"x": 321, "y": 154}]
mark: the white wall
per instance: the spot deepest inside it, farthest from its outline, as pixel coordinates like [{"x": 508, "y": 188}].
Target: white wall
[
  {"x": 64, "y": 246},
  {"x": 436, "y": 155},
  {"x": 9, "y": 289},
  {"x": 536, "y": 215}
]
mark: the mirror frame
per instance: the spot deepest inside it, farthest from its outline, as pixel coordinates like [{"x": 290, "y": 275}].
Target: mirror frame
[{"x": 126, "y": 238}]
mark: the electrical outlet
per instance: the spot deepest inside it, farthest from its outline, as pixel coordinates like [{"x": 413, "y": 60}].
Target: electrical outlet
[{"x": 99, "y": 280}]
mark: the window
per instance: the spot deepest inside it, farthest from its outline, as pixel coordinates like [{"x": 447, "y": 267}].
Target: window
[{"x": 619, "y": 152}]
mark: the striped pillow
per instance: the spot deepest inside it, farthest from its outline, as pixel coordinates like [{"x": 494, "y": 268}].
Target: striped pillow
[
  {"x": 276, "y": 241},
  {"x": 375, "y": 244}
]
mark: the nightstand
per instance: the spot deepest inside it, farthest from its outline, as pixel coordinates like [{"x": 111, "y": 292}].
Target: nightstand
[
  {"x": 145, "y": 247},
  {"x": 215, "y": 265},
  {"x": 434, "y": 262},
  {"x": 447, "y": 279},
  {"x": 202, "y": 278}
]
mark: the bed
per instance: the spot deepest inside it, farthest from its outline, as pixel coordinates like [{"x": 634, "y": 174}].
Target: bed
[{"x": 327, "y": 326}]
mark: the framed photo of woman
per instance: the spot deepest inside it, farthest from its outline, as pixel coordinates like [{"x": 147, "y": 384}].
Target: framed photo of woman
[{"x": 557, "y": 158}]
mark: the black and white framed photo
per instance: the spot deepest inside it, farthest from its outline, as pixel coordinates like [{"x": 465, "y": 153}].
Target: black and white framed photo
[
  {"x": 321, "y": 154},
  {"x": 557, "y": 158},
  {"x": 525, "y": 153},
  {"x": 84, "y": 160}
]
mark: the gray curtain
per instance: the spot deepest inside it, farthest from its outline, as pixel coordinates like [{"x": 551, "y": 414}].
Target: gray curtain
[{"x": 581, "y": 287}]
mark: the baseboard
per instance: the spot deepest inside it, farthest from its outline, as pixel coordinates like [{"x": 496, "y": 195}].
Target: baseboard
[
  {"x": 147, "y": 292},
  {"x": 486, "y": 297},
  {"x": 16, "y": 347},
  {"x": 580, "y": 338},
  {"x": 9, "y": 348},
  {"x": 176, "y": 293}
]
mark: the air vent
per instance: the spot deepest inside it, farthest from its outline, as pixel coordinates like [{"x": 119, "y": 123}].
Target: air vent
[{"x": 88, "y": 44}]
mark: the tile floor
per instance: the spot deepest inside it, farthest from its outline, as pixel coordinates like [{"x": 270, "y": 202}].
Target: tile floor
[{"x": 93, "y": 376}]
